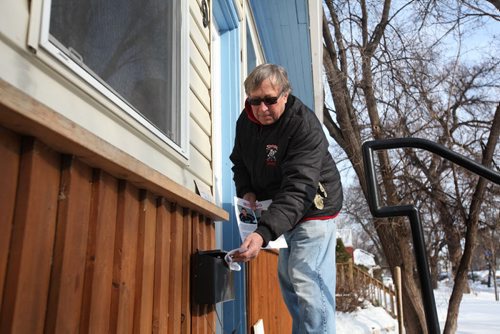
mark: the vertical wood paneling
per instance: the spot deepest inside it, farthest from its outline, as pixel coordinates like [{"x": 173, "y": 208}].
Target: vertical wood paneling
[
  {"x": 143, "y": 314},
  {"x": 253, "y": 293},
  {"x": 268, "y": 305},
  {"x": 186, "y": 271},
  {"x": 84, "y": 252},
  {"x": 275, "y": 307},
  {"x": 99, "y": 273},
  {"x": 195, "y": 309},
  {"x": 122, "y": 305},
  {"x": 207, "y": 315},
  {"x": 66, "y": 288},
  {"x": 28, "y": 273},
  {"x": 264, "y": 295},
  {"x": 203, "y": 316},
  {"x": 162, "y": 267},
  {"x": 10, "y": 148},
  {"x": 209, "y": 231},
  {"x": 175, "y": 279}
]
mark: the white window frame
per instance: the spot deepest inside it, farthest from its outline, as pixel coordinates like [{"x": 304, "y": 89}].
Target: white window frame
[{"x": 103, "y": 90}]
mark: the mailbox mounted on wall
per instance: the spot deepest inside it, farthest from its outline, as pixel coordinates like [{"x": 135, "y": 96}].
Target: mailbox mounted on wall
[{"x": 211, "y": 279}]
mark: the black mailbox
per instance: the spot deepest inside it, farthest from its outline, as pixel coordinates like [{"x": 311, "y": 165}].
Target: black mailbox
[{"x": 211, "y": 279}]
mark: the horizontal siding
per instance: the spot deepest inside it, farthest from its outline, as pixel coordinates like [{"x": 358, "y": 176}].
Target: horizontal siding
[
  {"x": 200, "y": 140},
  {"x": 275, "y": 31},
  {"x": 200, "y": 100},
  {"x": 196, "y": 23},
  {"x": 199, "y": 64},
  {"x": 200, "y": 114},
  {"x": 202, "y": 166},
  {"x": 93, "y": 253},
  {"x": 199, "y": 89}
]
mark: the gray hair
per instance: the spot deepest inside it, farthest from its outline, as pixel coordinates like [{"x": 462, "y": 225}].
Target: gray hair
[{"x": 275, "y": 73}]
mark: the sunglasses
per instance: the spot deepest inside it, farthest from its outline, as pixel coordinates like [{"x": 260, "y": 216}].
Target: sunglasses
[{"x": 268, "y": 100}]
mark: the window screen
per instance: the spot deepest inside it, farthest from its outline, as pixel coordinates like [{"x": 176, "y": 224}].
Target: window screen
[{"x": 132, "y": 47}]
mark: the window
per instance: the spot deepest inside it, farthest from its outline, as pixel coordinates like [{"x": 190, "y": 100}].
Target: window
[{"x": 131, "y": 51}]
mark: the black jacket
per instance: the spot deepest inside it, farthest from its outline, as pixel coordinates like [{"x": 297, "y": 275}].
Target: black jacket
[{"x": 284, "y": 161}]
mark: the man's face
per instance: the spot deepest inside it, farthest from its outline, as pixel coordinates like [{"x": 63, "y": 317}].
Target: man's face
[{"x": 268, "y": 113}]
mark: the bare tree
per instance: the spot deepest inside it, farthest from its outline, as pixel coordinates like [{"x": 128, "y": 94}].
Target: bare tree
[
  {"x": 385, "y": 80},
  {"x": 359, "y": 215},
  {"x": 472, "y": 223},
  {"x": 350, "y": 81}
]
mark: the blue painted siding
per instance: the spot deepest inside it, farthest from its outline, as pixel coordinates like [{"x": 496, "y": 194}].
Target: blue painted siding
[
  {"x": 283, "y": 27},
  {"x": 225, "y": 15}
]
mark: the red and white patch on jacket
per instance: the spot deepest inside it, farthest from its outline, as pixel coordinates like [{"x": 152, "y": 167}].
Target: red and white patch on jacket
[{"x": 271, "y": 151}]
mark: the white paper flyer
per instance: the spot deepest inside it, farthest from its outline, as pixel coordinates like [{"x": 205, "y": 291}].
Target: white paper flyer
[{"x": 248, "y": 218}]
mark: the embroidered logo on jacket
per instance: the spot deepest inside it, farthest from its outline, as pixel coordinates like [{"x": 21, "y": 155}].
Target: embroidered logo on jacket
[{"x": 271, "y": 151}]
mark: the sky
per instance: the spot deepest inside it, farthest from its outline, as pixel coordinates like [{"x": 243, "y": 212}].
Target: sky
[{"x": 479, "y": 313}]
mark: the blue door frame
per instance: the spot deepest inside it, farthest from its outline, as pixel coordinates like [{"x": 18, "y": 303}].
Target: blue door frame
[
  {"x": 295, "y": 55},
  {"x": 226, "y": 17}
]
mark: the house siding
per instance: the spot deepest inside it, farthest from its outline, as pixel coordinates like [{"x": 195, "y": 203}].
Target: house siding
[
  {"x": 98, "y": 217},
  {"x": 40, "y": 76},
  {"x": 88, "y": 245},
  {"x": 118, "y": 251},
  {"x": 200, "y": 101}
]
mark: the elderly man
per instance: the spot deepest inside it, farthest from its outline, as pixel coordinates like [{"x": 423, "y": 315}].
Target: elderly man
[{"x": 281, "y": 153}]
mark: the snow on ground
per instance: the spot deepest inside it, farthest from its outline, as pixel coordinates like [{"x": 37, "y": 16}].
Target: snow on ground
[
  {"x": 479, "y": 313},
  {"x": 369, "y": 320}
]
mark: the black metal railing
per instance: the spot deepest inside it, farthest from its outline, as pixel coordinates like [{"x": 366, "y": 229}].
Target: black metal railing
[{"x": 411, "y": 211}]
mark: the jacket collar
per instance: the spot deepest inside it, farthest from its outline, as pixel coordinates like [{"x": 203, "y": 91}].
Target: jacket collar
[{"x": 250, "y": 115}]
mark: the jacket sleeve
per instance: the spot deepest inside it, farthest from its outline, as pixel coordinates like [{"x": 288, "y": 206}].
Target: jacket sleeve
[
  {"x": 241, "y": 176},
  {"x": 301, "y": 169}
]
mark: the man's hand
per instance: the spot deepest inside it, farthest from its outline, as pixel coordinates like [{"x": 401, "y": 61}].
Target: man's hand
[{"x": 252, "y": 244}]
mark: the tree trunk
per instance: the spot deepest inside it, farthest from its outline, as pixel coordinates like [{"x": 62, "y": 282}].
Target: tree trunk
[
  {"x": 395, "y": 235},
  {"x": 472, "y": 227},
  {"x": 451, "y": 235},
  {"x": 395, "y": 238},
  {"x": 433, "y": 264}
]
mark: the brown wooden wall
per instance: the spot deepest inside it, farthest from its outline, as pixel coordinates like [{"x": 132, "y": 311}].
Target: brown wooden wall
[
  {"x": 83, "y": 251},
  {"x": 264, "y": 300}
]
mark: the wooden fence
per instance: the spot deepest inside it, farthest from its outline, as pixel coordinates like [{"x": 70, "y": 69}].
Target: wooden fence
[
  {"x": 264, "y": 295},
  {"x": 354, "y": 278}
]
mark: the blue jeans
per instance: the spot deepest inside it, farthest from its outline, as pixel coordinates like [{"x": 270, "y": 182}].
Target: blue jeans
[{"x": 306, "y": 272}]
